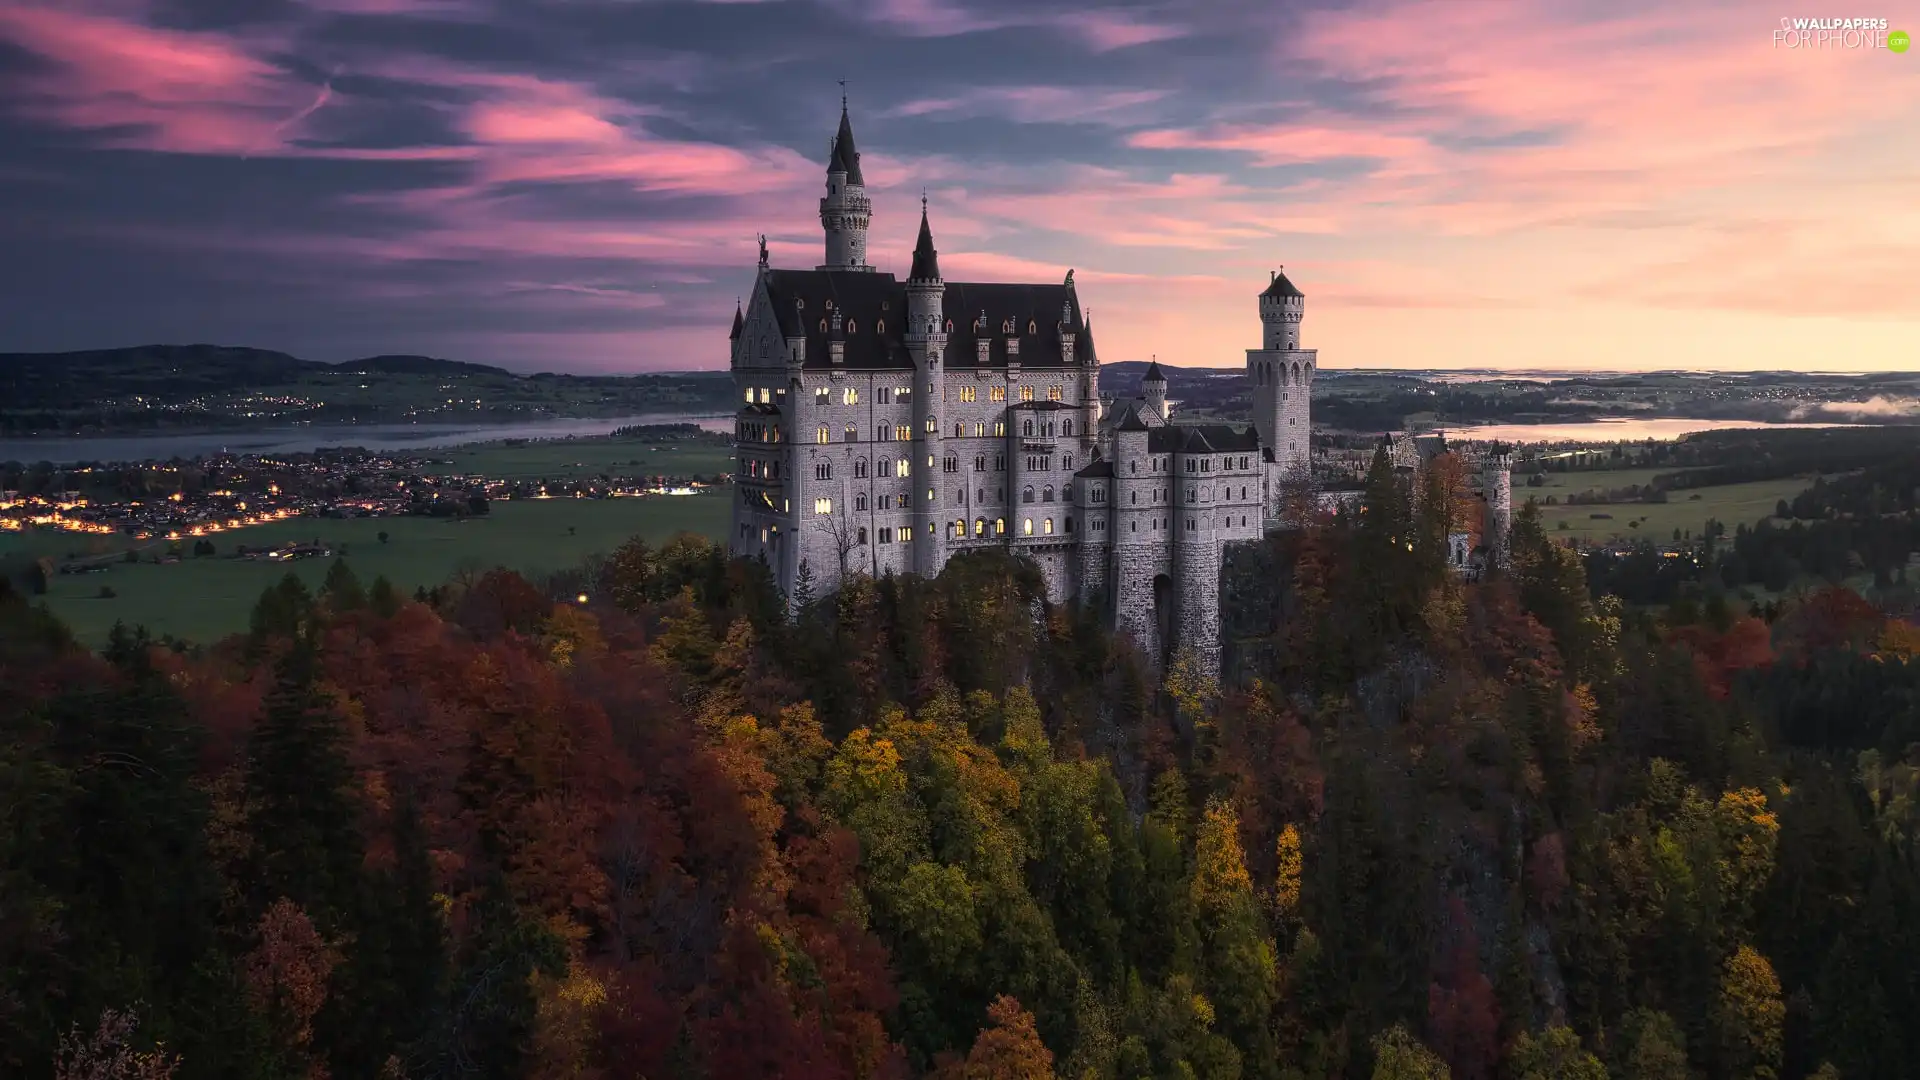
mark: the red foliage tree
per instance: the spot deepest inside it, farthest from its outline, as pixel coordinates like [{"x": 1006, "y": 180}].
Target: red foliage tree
[{"x": 1463, "y": 1016}]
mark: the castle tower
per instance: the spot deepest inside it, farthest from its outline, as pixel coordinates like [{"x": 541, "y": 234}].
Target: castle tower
[
  {"x": 1497, "y": 480},
  {"x": 1282, "y": 376},
  {"x": 845, "y": 211},
  {"x": 1141, "y": 555},
  {"x": 926, "y": 341},
  {"x": 1153, "y": 386}
]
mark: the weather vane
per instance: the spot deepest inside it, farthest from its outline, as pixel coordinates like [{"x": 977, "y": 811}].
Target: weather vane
[{"x": 843, "y": 95}]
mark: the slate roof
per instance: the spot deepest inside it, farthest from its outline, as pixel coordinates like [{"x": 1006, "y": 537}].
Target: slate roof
[
  {"x": 739, "y": 324},
  {"x": 867, "y": 300},
  {"x": 1153, "y": 373},
  {"x": 1097, "y": 470},
  {"x": 845, "y": 158},
  {"x": 1281, "y": 287},
  {"x": 1201, "y": 439},
  {"x": 926, "y": 261}
]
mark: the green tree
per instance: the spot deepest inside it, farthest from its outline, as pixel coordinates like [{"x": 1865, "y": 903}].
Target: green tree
[
  {"x": 1751, "y": 1016},
  {"x": 341, "y": 589},
  {"x": 1397, "y": 1055},
  {"x": 1554, "y": 1054}
]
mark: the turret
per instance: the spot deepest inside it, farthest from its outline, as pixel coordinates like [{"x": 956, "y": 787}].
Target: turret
[
  {"x": 1281, "y": 376},
  {"x": 1496, "y": 479},
  {"x": 926, "y": 342},
  {"x": 1153, "y": 387},
  {"x": 845, "y": 211},
  {"x": 1281, "y": 308}
]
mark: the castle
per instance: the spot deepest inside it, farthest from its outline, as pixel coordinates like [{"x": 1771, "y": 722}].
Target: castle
[{"x": 885, "y": 426}]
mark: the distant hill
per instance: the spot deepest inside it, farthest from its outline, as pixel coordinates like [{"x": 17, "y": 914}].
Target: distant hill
[{"x": 419, "y": 365}]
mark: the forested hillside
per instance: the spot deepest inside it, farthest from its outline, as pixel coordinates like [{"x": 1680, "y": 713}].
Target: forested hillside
[{"x": 938, "y": 828}]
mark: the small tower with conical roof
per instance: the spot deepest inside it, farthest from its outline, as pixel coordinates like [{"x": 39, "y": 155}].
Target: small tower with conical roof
[
  {"x": 1153, "y": 387},
  {"x": 926, "y": 342},
  {"x": 845, "y": 211}
]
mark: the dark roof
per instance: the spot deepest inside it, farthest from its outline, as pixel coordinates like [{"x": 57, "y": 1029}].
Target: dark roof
[
  {"x": 739, "y": 323},
  {"x": 1130, "y": 421},
  {"x": 926, "y": 261},
  {"x": 1281, "y": 286},
  {"x": 867, "y": 300},
  {"x": 1153, "y": 373},
  {"x": 1084, "y": 347},
  {"x": 1097, "y": 470},
  {"x": 845, "y": 158},
  {"x": 1201, "y": 439}
]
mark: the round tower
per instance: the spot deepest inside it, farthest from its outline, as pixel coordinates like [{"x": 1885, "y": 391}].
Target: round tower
[
  {"x": 1281, "y": 308},
  {"x": 845, "y": 211},
  {"x": 1153, "y": 387},
  {"x": 926, "y": 341},
  {"x": 1281, "y": 376},
  {"x": 1497, "y": 479}
]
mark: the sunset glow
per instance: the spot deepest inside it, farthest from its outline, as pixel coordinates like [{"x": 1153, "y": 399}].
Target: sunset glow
[{"x": 579, "y": 186}]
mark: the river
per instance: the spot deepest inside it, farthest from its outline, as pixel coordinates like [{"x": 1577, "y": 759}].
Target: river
[
  {"x": 296, "y": 439},
  {"x": 1611, "y": 429}
]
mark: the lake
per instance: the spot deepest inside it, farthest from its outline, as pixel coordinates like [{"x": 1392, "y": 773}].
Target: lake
[
  {"x": 297, "y": 439},
  {"x": 1610, "y": 429}
]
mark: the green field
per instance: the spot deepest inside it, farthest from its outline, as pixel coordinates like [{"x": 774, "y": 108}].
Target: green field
[
  {"x": 1687, "y": 509},
  {"x": 207, "y": 598},
  {"x": 573, "y": 459}
]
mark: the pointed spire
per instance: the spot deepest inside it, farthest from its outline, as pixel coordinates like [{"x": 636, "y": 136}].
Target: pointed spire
[
  {"x": 845, "y": 157},
  {"x": 926, "y": 262},
  {"x": 1153, "y": 372},
  {"x": 739, "y": 321}
]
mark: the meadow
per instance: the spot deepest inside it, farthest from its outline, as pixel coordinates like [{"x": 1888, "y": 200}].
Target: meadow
[
  {"x": 204, "y": 599},
  {"x": 1687, "y": 510}
]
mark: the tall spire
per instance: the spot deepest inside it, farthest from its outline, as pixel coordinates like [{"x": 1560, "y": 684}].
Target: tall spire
[
  {"x": 845, "y": 157},
  {"x": 739, "y": 321},
  {"x": 926, "y": 261}
]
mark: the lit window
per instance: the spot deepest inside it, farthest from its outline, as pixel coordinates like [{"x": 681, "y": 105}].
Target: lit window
[
  {"x": 979, "y": 429},
  {"x": 999, "y": 428},
  {"x": 749, "y": 395},
  {"x": 823, "y": 506},
  {"x": 850, "y": 396},
  {"x": 979, "y": 526},
  {"x": 1053, "y": 393},
  {"x": 765, "y": 397},
  {"x": 968, "y": 393},
  {"x": 997, "y": 393},
  {"x": 853, "y": 433},
  {"x": 1026, "y": 526},
  {"x": 932, "y": 426},
  {"x": 999, "y": 526},
  {"x": 820, "y": 396},
  {"x": 906, "y": 533},
  {"x": 823, "y": 434},
  {"x": 903, "y": 467},
  {"x": 1026, "y": 393},
  {"x": 1047, "y": 527},
  {"x": 902, "y": 433}
]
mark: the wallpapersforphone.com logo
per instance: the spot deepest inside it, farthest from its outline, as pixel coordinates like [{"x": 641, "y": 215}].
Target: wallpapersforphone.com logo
[{"x": 1839, "y": 34}]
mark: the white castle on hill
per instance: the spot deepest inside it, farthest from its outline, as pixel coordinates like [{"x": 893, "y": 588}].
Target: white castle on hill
[{"x": 886, "y": 425}]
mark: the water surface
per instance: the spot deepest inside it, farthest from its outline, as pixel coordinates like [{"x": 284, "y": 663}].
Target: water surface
[
  {"x": 1612, "y": 429},
  {"x": 302, "y": 438}
]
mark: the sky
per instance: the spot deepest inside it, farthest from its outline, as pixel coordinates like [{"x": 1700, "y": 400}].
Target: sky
[{"x": 577, "y": 185}]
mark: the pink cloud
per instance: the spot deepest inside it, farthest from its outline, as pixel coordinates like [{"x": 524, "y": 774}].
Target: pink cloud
[{"x": 1106, "y": 31}]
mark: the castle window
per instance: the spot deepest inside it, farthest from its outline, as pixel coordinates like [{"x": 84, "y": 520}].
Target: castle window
[
  {"x": 823, "y": 506},
  {"x": 933, "y": 426},
  {"x": 949, "y": 326},
  {"x": 886, "y": 536},
  {"x": 852, "y": 433},
  {"x": 979, "y": 526},
  {"x": 980, "y": 463},
  {"x": 952, "y": 464},
  {"x": 860, "y": 469},
  {"x": 1069, "y": 527},
  {"x": 999, "y": 526},
  {"x": 959, "y": 430},
  {"x": 1026, "y": 526},
  {"x": 903, "y": 467},
  {"x": 996, "y": 393},
  {"x": 823, "y": 435},
  {"x": 1066, "y": 461},
  {"x": 749, "y": 395},
  {"x": 1135, "y": 466},
  {"x": 1193, "y": 495},
  {"x": 860, "y": 501},
  {"x": 902, "y": 394},
  {"x": 823, "y": 326},
  {"x": 979, "y": 429},
  {"x": 886, "y": 396},
  {"x": 1026, "y": 428},
  {"x": 968, "y": 393},
  {"x": 850, "y": 326},
  {"x": 1193, "y": 465},
  {"x": 823, "y": 471},
  {"x": 883, "y": 433},
  {"x": 862, "y": 538},
  {"x": 1026, "y": 495},
  {"x": 1053, "y": 393},
  {"x": 850, "y": 396},
  {"x": 1026, "y": 393},
  {"x": 879, "y": 326},
  {"x": 906, "y": 533},
  {"x": 1047, "y": 495},
  {"x": 999, "y": 463},
  {"x": 902, "y": 433},
  {"x": 1136, "y": 498},
  {"x": 820, "y": 395},
  {"x": 1032, "y": 327},
  {"x": 1066, "y": 428},
  {"x": 1133, "y": 526},
  {"x": 1047, "y": 527},
  {"x": 1283, "y": 395}
]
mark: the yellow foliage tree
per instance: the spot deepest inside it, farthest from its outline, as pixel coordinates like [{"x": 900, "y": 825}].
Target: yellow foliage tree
[
  {"x": 1220, "y": 877},
  {"x": 1751, "y": 1016},
  {"x": 566, "y": 1027},
  {"x": 1748, "y": 833},
  {"x": 1288, "y": 864}
]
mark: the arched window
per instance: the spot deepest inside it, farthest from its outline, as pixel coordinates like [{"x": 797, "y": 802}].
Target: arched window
[
  {"x": 862, "y": 538},
  {"x": 949, "y": 326},
  {"x": 1047, "y": 495},
  {"x": 1296, "y": 374},
  {"x": 1066, "y": 427},
  {"x": 1026, "y": 428},
  {"x": 883, "y": 433},
  {"x": 999, "y": 526},
  {"x": 979, "y": 428},
  {"x": 823, "y": 326},
  {"x": 853, "y": 433},
  {"x": 903, "y": 467},
  {"x": 886, "y": 466},
  {"x": 860, "y": 501},
  {"x": 1066, "y": 462},
  {"x": 823, "y": 471},
  {"x": 1135, "y": 466},
  {"x": 1026, "y": 495},
  {"x": 860, "y": 468},
  {"x": 1026, "y": 526},
  {"x": 823, "y": 434},
  {"x": 1047, "y": 527},
  {"x": 879, "y": 326}
]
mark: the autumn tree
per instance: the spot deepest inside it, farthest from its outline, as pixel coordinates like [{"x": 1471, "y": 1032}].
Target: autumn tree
[{"x": 1750, "y": 1016}]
